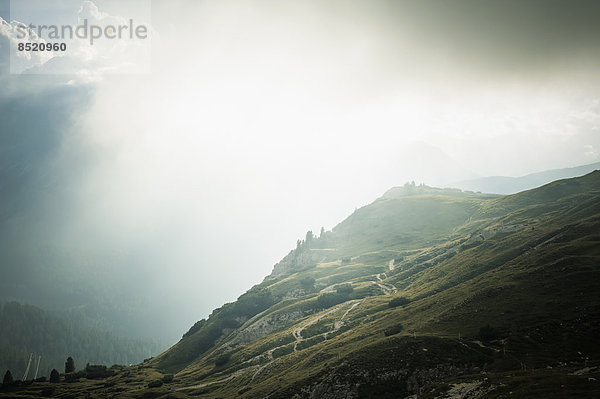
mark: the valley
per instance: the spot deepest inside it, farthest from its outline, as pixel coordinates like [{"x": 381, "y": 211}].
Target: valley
[{"x": 424, "y": 293}]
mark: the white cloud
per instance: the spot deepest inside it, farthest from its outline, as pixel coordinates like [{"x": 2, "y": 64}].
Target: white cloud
[
  {"x": 21, "y": 60},
  {"x": 87, "y": 58},
  {"x": 265, "y": 119}
]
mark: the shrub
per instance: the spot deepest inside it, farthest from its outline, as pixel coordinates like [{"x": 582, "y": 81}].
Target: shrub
[
  {"x": 400, "y": 301},
  {"x": 254, "y": 301},
  {"x": 307, "y": 343},
  {"x": 345, "y": 289},
  {"x": 167, "y": 378},
  {"x": 97, "y": 371},
  {"x": 222, "y": 360},
  {"x": 315, "y": 329},
  {"x": 75, "y": 376},
  {"x": 393, "y": 330},
  {"x": 155, "y": 384},
  {"x": 282, "y": 351},
  {"x": 330, "y": 299}
]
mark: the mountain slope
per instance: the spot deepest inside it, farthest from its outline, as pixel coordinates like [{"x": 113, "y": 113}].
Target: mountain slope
[
  {"x": 511, "y": 185},
  {"x": 421, "y": 293}
]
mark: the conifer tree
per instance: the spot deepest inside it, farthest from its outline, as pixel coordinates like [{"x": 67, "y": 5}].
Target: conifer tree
[
  {"x": 69, "y": 365},
  {"x": 8, "y": 378},
  {"x": 54, "y": 376}
]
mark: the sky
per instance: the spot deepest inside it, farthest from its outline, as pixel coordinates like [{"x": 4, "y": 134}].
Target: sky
[{"x": 206, "y": 150}]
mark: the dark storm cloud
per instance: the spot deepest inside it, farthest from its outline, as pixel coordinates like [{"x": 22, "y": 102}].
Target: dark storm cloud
[{"x": 515, "y": 36}]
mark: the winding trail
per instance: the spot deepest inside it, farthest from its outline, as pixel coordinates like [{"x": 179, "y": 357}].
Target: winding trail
[
  {"x": 206, "y": 384},
  {"x": 297, "y": 332},
  {"x": 386, "y": 288}
]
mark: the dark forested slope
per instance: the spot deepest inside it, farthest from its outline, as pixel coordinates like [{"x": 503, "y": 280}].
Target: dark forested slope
[{"x": 26, "y": 330}]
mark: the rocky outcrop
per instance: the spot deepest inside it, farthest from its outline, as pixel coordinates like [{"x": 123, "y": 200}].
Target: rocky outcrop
[
  {"x": 350, "y": 382},
  {"x": 296, "y": 260},
  {"x": 264, "y": 326}
]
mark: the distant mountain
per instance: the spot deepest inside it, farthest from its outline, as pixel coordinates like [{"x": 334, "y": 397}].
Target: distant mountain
[
  {"x": 512, "y": 185},
  {"x": 424, "y": 293}
]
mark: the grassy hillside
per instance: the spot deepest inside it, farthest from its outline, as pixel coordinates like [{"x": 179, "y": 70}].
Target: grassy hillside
[{"x": 424, "y": 293}]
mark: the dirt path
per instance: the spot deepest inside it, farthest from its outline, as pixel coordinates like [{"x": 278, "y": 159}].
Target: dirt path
[
  {"x": 386, "y": 288},
  {"x": 338, "y": 324},
  {"x": 297, "y": 332},
  {"x": 206, "y": 384}
]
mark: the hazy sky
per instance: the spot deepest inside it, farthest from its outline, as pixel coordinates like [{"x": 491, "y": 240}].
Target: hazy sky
[{"x": 261, "y": 120}]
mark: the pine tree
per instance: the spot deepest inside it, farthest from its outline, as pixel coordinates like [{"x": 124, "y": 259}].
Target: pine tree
[
  {"x": 8, "y": 378},
  {"x": 54, "y": 376},
  {"x": 69, "y": 365},
  {"x": 309, "y": 237}
]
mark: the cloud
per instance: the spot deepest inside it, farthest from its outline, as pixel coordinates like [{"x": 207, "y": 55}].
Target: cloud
[
  {"x": 11, "y": 35},
  {"x": 265, "y": 119},
  {"x": 104, "y": 47}
]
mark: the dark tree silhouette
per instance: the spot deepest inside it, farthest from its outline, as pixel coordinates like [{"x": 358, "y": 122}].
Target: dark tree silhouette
[
  {"x": 8, "y": 378},
  {"x": 54, "y": 376},
  {"x": 309, "y": 236},
  {"x": 69, "y": 365}
]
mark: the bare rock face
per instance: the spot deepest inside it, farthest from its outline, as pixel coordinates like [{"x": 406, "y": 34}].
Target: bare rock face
[
  {"x": 352, "y": 382},
  {"x": 265, "y": 325},
  {"x": 332, "y": 387},
  {"x": 297, "y": 293},
  {"x": 296, "y": 260}
]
